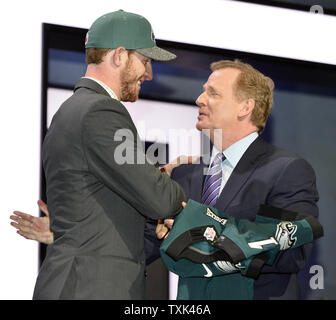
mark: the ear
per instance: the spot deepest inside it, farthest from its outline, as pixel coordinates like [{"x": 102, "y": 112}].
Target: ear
[
  {"x": 119, "y": 56},
  {"x": 246, "y": 108}
]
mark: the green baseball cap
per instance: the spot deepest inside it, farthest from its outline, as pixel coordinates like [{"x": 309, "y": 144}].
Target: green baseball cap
[{"x": 128, "y": 30}]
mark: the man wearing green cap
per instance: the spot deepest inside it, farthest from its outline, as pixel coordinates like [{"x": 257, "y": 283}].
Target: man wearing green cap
[{"x": 99, "y": 199}]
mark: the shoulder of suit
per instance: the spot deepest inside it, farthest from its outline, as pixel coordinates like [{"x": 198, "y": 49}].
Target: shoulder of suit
[
  {"x": 98, "y": 101},
  {"x": 283, "y": 153},
  {"x": 286, "y": 157}
]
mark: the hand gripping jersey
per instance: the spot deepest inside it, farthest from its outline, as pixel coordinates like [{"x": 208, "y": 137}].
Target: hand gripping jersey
[{"x": 205, "y": 242}]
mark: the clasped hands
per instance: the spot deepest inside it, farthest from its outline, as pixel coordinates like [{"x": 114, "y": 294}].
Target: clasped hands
[{"x": 164, "y": 226}]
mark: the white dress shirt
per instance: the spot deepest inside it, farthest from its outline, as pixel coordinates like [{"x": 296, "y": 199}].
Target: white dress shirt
[{"x": 233, "y": 154}]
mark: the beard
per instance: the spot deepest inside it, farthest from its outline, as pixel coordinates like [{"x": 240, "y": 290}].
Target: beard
[{"x": 129, "y": 89}]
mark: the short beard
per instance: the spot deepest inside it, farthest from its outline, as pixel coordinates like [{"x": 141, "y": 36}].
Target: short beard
[{"x": 128, "y": 91}]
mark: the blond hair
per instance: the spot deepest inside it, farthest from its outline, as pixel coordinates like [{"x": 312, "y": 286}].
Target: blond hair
[
  {"x": 95, "y": 55},
  {"x": 251, "y": 84}
]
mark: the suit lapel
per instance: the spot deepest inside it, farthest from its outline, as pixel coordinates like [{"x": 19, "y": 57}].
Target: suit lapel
[
  {"x": 242, "y": 172},
  {"x": 197, "y": 180}
]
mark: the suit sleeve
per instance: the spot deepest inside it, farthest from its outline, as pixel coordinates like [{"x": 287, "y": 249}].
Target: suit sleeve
[
  {"x": 116, "y": 157},
  {"x": 294, "y": 190},
  {"x": 152, "y": 243}
]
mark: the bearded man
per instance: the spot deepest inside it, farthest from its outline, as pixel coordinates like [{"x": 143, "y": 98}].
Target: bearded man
[{"x": 99, "y": 199}]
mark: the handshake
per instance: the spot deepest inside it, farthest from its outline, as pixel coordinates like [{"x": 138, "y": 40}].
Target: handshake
[{"x": 164, "y": 226}]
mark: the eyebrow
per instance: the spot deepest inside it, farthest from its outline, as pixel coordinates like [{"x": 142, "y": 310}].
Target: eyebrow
[{"x": 209, "y": 87}]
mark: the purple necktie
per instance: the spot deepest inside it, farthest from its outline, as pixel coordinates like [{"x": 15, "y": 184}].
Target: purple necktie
[{"x": 213, "y": 181}]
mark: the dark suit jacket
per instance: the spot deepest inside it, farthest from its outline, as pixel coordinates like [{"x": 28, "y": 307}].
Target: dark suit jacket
[
  {"x": 98, "y": 207},
  {"x": 264, "y": 175}
]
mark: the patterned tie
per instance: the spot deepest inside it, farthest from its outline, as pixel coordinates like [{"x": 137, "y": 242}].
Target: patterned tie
[{"x": 213, "y": 181}]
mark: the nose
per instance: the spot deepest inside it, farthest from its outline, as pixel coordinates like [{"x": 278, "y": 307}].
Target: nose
[
  {"x": 200, "y": 100},
  {"x": 149, "y": 71}
]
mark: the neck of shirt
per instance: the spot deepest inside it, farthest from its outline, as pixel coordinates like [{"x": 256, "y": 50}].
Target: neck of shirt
[
  {"x": 233, "y": 154},
  {"x": 106, "y": 87}
]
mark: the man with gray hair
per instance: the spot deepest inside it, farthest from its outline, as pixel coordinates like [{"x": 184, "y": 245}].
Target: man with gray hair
[{"x": 249, "y": 173}]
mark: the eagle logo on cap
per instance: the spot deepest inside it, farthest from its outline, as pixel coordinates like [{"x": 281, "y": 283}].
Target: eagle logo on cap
[{"x": 86, "y": 38}]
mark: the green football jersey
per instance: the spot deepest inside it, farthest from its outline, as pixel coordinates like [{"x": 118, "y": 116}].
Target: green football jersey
[{"x": 205, "y": 243}]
